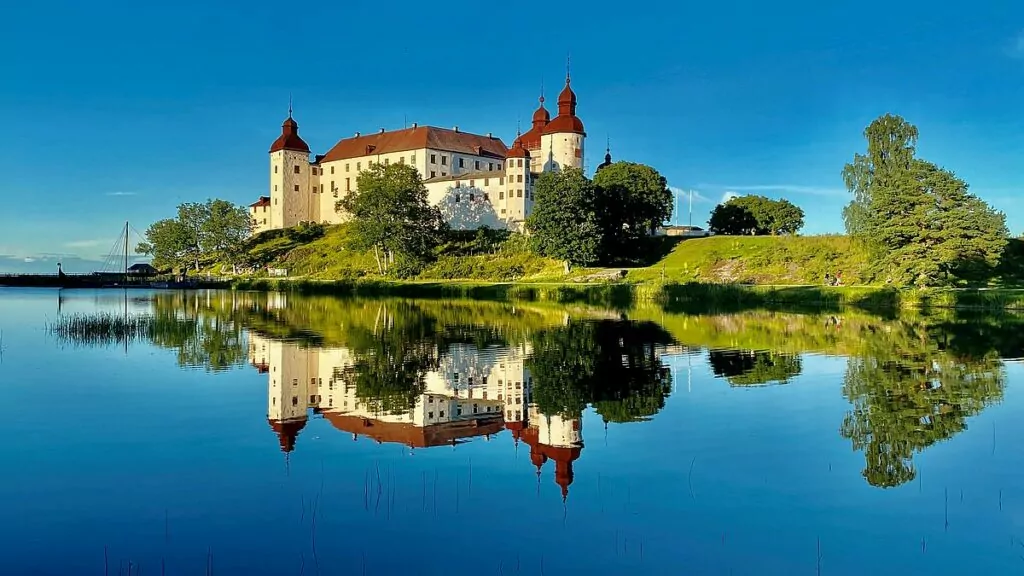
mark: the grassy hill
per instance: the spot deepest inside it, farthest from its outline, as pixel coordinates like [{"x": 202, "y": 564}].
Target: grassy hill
[
  {"x": 759, "y": 260},
  {"x": 325, "y": 254}
]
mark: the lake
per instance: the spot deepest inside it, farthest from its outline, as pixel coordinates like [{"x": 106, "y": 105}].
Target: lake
[{"x": 250, "y": 433}]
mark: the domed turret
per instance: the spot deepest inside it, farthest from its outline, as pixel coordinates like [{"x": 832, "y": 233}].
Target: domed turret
[
  {"x": 541, "y": 116},
  {"x": 287, "y": 432},
  {"x": 607, "y": 158},
  {"x": 566, "y": 121},
  {"x": 289, "y": 138}
]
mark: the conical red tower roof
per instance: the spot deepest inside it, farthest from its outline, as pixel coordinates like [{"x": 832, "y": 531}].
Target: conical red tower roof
[
  {"x": 287, "y": 432},
  {"x": 289, "y": 138}
]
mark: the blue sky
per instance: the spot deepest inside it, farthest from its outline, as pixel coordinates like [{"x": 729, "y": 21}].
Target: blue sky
[{"x": 118, "y": 110}]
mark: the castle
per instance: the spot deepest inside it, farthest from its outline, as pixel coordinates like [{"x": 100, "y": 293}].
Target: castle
[{"x": 474, "y": 179}]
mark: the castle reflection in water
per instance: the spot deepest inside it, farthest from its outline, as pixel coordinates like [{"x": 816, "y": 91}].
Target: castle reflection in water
[{"x": 472, "y": 393}]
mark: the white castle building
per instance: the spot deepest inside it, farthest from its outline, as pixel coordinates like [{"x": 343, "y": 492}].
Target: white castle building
[
  {"x": 474, "y": 179},
  {"x": 472, "y": 393}
]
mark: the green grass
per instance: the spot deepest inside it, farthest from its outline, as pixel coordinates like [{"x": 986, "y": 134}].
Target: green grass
[
  {"x": 759, "y": 260},
  {"x": 720, "y": 272}
]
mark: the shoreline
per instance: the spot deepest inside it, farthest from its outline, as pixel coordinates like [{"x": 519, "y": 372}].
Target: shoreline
[
  {"x": 672, "y": 296},
  {"x": 681, "y": 297}
]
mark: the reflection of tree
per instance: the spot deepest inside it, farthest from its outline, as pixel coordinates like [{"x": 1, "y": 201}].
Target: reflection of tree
[
  {"x": 204, "y": 339},
  {"x": 392, "y": 359},
  {"x": 610, "y": 364},
  {"x": 753, "y": 368},
  {"x": 910, "y": 390}
]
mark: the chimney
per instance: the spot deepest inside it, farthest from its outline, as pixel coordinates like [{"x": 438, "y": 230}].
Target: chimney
[
  {"x": 381, "y": 130},
  {"x": 456, "y": 128},
  {"x": 357, "y": 134},
  {"x": 414, "y": 125},
  {"x": 489, "y": 135}
]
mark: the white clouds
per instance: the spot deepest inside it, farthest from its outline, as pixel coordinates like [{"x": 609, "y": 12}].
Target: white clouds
[
  {"x": 121, "y": 194},
  {"x": 684, "y": 195},
  {"x": 729, "y": 195},
  {"x": 85, "y": 243},
  {"x": 798, "y": 189},
  {"x": 28, "y": 260}
]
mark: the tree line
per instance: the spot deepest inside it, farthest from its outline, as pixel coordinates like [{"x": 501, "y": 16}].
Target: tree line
[{"x": 200, "y": 232}]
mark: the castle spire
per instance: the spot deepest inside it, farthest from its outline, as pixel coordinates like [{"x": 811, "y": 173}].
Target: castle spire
[{"x": 289, "y": 104}]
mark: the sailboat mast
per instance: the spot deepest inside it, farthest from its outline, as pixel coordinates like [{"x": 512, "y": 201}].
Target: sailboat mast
[{"x": 126, "y": 250}]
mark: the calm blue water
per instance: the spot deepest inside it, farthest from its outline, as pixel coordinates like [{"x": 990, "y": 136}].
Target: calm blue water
[{"x": 260, "y": 434}]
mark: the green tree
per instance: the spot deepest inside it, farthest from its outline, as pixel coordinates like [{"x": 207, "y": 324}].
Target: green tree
[
  {"x": 756, "y": 215},
  {"x": 201, "y": 230},
  {"x": 167, "y": 243},
  {"x": 920, "y": 222},
  {"x": 634, "y": 200},
  {"x": 732, "y": 218},
  {"x": 564, "y": 223},
  {"x": 391, "y": 214},
  {"x": 225, "y": 229}
]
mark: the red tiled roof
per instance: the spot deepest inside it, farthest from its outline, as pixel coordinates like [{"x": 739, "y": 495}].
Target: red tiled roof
[
  {"x": 415, "y": 436},
  {"x": 517, "y": 150},
  {"x": 263, "y": 201},
  {"x": 415, "y": 139},
  {"x": 289, "y": 138},
  {"x": 563, "y": 124},
  {"x": 287, "y": 432}
]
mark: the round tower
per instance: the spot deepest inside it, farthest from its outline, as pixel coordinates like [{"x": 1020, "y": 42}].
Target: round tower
[
  {"x": 563, "y": 138},
  {"x": 518, "y": 186},
  {"x": 290, "y": 177}
]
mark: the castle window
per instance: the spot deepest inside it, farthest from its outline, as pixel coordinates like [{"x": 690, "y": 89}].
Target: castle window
[
  {"x": 487, "y": 197},
  {"x": 502, "y": 210},
  {"x": 501, "y": 180},
  {"x": 433, "y": 159},
  {"x": 476, "y": 165},
  {"x": 444, "y": 160},
  {"x": 456, "y": 197},
  {"x": 347, "y": 188},
  {"x": 412, "y": 159},
  {"x": 297, "y": 170},
  {"x": 519, "y": 193},
  {"x": 332, "y": 168},
  {"x": 430, "y": 415},
  {"x": 359, "y": 166},
  {"x": 433, "y": 174},
  {"x": 462, "y": 163},
  {"x": 472, "y": 183},
  {"x": 264, "y": 221},
  {"x": 346, "y": 168},
  {"x": 501, "y": 195},
  {"x": 275, "y": 187},
  {"x": 314, "y": 170},
  {"x": 321, "y": 188},
  {"x": 490, "y": 166},
  {"x": 519, "y": 178},
  {"x": 440, "y": 414},
  {"x": 487, "y": 181},
  {"x": 458, "y": 184},
  {"x": 296, "y": 187},
  {"x": 520, "y": 163},
  {"x": 333, "y": 189},
  {"x": 275, "y": 201},
  {"x": 443, "y": 174},
  {"x": 387, "y": 162},
  {"x": 472, "y": 197},
  {"x": 295, "y": 400},
  {"x": 401, "y": 160}
]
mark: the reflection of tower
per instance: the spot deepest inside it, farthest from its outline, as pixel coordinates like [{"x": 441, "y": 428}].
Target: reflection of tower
[
  {"x": 292, "y": 389},
  {"x": 558, "y": 438}
]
